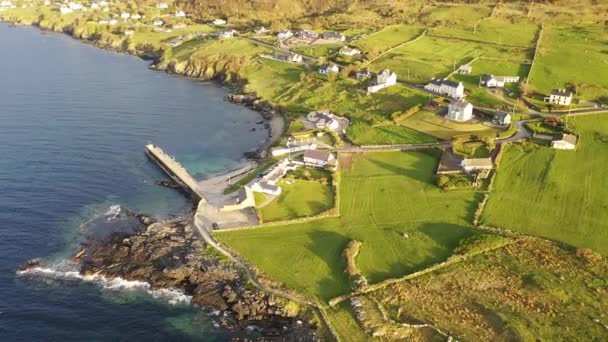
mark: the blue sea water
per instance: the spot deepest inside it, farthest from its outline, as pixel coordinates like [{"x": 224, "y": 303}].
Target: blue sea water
[{"x": 73, "y": 124}]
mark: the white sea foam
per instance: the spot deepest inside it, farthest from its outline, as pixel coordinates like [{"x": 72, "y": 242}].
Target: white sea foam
[
  {"x": 113, "y": 212},
  {"x": 171, "y": 296}
]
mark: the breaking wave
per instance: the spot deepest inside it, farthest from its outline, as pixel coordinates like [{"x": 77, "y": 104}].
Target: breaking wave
[{"x": 171, "y": 296}]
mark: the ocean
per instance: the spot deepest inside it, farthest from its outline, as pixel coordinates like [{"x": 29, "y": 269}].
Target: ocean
[{"x": 74, "y": 120}]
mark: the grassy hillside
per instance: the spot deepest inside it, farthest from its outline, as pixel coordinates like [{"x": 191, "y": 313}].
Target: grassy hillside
[{"x": 558, "y": 195}]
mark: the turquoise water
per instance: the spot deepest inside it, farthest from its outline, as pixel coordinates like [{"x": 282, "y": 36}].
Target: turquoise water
[{"x": 73, "y": 124}]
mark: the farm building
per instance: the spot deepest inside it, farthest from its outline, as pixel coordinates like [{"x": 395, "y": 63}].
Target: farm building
[
  {"x": 502, "y": 119},
  {"x": 564, "y": 142},
  {"x": 477, "y": 164},
  {"x": 460, "y": 110},
  {"x": 560, "y": 97},
  {"x": 465, "y": 69},
  {"x": 319, "y": 158},
  {"x": 384, "y": 79},
  {"x": 446, "y": 87},
  {"x": 492, "y": 81}
]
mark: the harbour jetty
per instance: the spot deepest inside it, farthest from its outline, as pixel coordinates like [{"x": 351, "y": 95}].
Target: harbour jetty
[{"x": 176, "y": 171}]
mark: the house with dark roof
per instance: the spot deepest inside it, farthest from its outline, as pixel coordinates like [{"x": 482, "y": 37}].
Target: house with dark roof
[
  {"x": 335, "y": 36},
  {"x": 446, "y": 87},
  {"x": 363, "y": 73},
  {"x": 561, "y": 97},
  {"x": 460, "y": 110},
  {"x": 501, "y": 119},
  {"x": 384, "y": 79},
  {"x": 307, "y": 35},
  {"x": 564, "y": 142},
  {"x": 319, "y": 158},
  {"x": 328, "y": 68}
]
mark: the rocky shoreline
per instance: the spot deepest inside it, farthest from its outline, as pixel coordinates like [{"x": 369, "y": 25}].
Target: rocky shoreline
[{"x": 169, "y": 255}]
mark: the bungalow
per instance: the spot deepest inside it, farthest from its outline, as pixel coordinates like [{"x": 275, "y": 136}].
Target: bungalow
[
  {"x": 307, "y": 35},
  {"x": 260, "y": 30},
  {"x": 219, "y": 22},
  {"x": 465, "y": 69},
  {"x": 319, "y": 158},
  {"x": 336, "y": 36},
  {"x": 328, "y": 69},
  {"x": 323, "y": 120},
  {"x": 125, "y": 15},
  {"x": 384, "y": 79},
  {"x": 285, "y": 34},
  {"x": 363, "y": 73},
  {"x": 460, "y": 110},
  {"x": 288, "y": 57},
  {"x": 477, "y": 164},
  {"x": 180, "y": 14},
  {"x": 265, "y": 187},
  {"x": 492, "y": 81},
  {"x": 162, "y": 5},
  {"x": 158, "y": 23},
  {"x": 226, "y": 34},
  {"x": 560, "y": 97},
  {"x": 564, "y": 142},
  {"x": 446, "y": 87},
  {"x": 502, "y": 119},
  {"x": 347, "y": 51}
]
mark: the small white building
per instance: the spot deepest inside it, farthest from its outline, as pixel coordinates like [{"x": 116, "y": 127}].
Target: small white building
[
  {"x": 328, "y": 69},
  {"x": 180, "y": 14},
  {"x": 384, "y": 79},
  {"x": 564, "y": 142},
  {"x": 285, "y": 34},
  {"x": 290, "y": 57},
  {"x": 158, "y": 23},
  {"x": 492, "y": 81},
  {"x": 319, "y": 158},
  {"x": 178, "y": 26},
  {"x": 261, "y": 30},
  {"x": 129, "y": 32},
  {"x": 136, "y": 16},
  {"x": 65, "y": 10},
  {"x": 227, "y": 34},
  {"x": 348, "y": 51},
  {"x": 502, "y": 119},
  {"x": 125, "y": 15},
  {"x": 446, "y": 87},
  {"x": 306, "y": 35},
  {"x": 477, "y": 164},
  {"x": 460, "y": 110},
  {"x": 94, "y": 5},
  {"x": 465, "y": 69},
  {"x": 75, "y": 6},
  {"x": 265, "y": 187},
  {"x": 6, "y": 3},
  {"x": 278, "y": 151},
  {"x": 363, "y": 74},
  {"x": 561, "y": 97},
  {"x": 162, "y": 5},
  {"x": 219, "y": 22},
  {"x": 112, "y": 22},
  {"x": 323, "y": 120}
]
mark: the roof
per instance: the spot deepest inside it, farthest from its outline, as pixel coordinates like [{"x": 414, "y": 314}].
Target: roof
[
  {"x": 569, "y": 138},
  {"x": 317, "y": 154},
  {"x": 450, "y": 83},
  {"x": 459, "y": 104},
  {"x": 478, "y": 162},
  {"x": 561, "y": 92},
  {"x": 501, "y": 115}
]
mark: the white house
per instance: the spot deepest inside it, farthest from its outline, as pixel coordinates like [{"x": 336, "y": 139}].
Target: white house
[
  {"x": 363, "y": 73},
  {"x": 465, "y": 69},
  {"x": 307, "y": 35},
  {"x": 162, "y": 5},
  {"x": 75, "y": 6},
  {"x": 560, "y": 97},
  {"x": 476, "y": 164},
  {"x": 502, "y": 119},
  {"x": 285, "y": 34},
  {"x": 158, "y": 23},
  {"x": 324, "y": 120},
  {"x": 319, "y": 158},
  {"x": 125, "y": 15},
  {"x": 219, "y": 22},
  {"x": 129, "y": 32},
  {"x": 446, "y": 87},
  {"x": 277, "y": 151},
  {"x": 288, "y": 57},
  {"x": 112, "y": 22},
  {"x": 347, "y": 51},
  {"x": 492, "y": 81},
  {"x": 564, "y": 142},
  {"x": 65, "y": 10},
  {"x": 265, "y": 187},
  {"x": 328, "y": 69},
  {"x": 180, "y": 14},
  {"x": 136, "y": 16},
  {"x": 335, "y": 36},
  {"x": 94, "y": 5},
  {"x": 460, "y": 110},
  {"x": 227, "y": 34},
  {"x": 261, "y": 30},
  {"x": 385, "y": 78},
  {"x": 6, "y": 4}
]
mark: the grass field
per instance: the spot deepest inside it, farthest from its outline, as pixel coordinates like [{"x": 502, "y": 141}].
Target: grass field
[
  {"x": 323, "y": 50},
  {"x": 362, "y": 133},
  {"x": 299, "y": 199},
  {"x": 582, "y": 62},
  {"x": 558, "y": 195},
  {"x": 388, "y": 37},
  {"x": 382, "y": 196},
  {"x": 496, "y": 31},
  {"x": 432, "y": 57},
  {"x": 454, "y": 15},
  {"x": 438, "y": 126}
]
